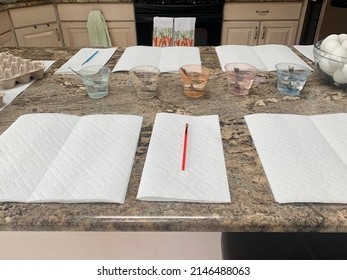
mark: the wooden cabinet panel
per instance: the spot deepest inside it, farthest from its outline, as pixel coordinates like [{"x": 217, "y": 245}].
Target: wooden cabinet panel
[
  {"x": 111, "y": 12},
  {"x": 262, "y": 11},
  {"x": 8, "y": 40},
  {"x": 274, "y": 32},
  {"x": 29, "y": 16},
  {"x": 5, "y": 22},
  {"x": 39, "y": 36},
  {"x": 120, "y": 20},
  {"x": 240, "y": 33},
  {"x": 121, "y": 34},
  {"x": 75, "y": 34},
  {"x": 262, "y": 23}
]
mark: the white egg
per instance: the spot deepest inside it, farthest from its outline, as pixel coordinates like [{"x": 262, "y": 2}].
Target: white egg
[
  {"x": 344, "y": 70},
  {"x": 332, "y": 37},
  {"x": 344, "y": 44},
  {"x": 338, "y": 57},
  {"x": 331, "y": 45},
  {"x": 343, "y": 37},
  {"x": 339, "y": 77},
  {"x": 325, "y": 66}
]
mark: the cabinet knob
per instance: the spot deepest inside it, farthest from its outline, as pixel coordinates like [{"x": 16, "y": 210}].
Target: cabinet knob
[{"x": 262, "y": 12}]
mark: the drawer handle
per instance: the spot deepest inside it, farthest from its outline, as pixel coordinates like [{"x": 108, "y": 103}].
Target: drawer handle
[
  {"x": 262, "y": 12},
  {"x": 256, "y": 33}
]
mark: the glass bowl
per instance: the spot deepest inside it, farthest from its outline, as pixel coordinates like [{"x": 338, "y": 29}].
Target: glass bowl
[{"x": 331, "y": 67}]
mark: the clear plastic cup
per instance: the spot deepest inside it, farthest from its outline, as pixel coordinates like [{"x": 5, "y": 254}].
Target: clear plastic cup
[{"x": 240, "y": 77}]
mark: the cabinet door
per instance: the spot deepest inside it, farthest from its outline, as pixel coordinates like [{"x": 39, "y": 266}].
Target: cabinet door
[
  {"x": 121, "y": 34},
  {"x": 75, "y": 34},
  {"x": 278, "y": 32},
  {"x": 46, "y": 35},
  {"x": 8, "y": 40},
  {"x": 240, "y": 32}
]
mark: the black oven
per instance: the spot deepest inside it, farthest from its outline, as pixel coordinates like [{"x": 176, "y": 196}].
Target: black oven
[{"x": 208, "y": 14}]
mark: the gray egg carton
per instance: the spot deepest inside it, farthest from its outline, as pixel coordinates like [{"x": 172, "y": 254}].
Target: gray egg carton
[{"x": 14, "y": 69}]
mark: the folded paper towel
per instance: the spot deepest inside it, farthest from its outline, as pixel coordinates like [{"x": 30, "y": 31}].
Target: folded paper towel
[
  {"x": 168, "y": 59},
  {"x": 204, "y": 178},
  {"x": 304, "y": 157},
  {"x": 66, "y": 158}
]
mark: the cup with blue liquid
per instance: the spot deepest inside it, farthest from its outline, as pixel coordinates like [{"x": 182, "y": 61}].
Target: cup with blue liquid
[{"x": 291, "y": 78}]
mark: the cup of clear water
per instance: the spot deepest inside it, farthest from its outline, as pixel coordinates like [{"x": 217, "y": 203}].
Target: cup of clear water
[
  {"x": 240, "y": 77},
  {"x": 291, "y": 78},
  {"x": 145, "y": 80},
  {"x": 96, "y": 80}
]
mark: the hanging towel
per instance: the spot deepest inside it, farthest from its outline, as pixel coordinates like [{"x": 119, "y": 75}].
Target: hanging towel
[
  {"x": 162, "y": 31},
  {"x": 98, "y": 30},
  {"x": 184, "y": 31}
]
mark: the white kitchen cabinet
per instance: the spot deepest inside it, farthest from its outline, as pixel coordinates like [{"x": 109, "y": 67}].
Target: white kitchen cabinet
[
  {"x": 261, "y": 23},
  {"x": 7, "y": 37},
  {"x": 119, "y": 18},
  {"x": 46, "y": 35},
  {"x": 36, "y": 26}
]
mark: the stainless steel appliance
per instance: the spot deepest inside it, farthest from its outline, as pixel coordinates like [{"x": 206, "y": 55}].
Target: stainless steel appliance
[
  {"x": 333, "y": 19},
  {"x": 323, "y": 17},
  {"x": 208, "y": 14}
]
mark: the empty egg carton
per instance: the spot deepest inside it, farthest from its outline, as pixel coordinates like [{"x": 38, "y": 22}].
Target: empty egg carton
[{"x": 16, "y": 69}]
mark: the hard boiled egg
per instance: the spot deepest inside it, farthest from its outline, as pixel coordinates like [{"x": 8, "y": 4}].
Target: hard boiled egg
[
  {"x": 344, "y": 44},
  {"x": 337, "y": 57},
  {"x": 344, "y": 70},
  {"x": 339, "y": 77},
  {"x": 325, "y": 66},
  {"x": 342, "y": 37},
  {"x": 331, "y": 45}
]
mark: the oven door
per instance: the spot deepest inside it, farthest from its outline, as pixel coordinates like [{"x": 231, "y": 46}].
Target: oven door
[{"x": 208, "y": 24}]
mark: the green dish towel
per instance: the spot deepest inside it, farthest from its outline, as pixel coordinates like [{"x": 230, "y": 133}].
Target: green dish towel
[{"x": 98, "y": 30}]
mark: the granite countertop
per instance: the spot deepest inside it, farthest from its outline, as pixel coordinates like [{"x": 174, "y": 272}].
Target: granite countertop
[{"x": 253, "y": 207}]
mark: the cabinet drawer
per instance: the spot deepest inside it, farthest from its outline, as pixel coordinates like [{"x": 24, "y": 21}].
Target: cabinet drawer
[
  {"x": 111, "y": 12},
  {"x": 5, "y": 22},
  {"x": 263, "y": 11},
  {"x": 28, "y": 16}
]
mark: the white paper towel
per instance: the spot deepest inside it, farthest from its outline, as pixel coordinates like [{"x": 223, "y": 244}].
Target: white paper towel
[
  {"x": 82, "y": 55},
  {"x": 304, "y": 157},
  {"x": 204, "y": 178},
  {"x": 168, "y": 59},
  {"x": 263, "y": 57},
  {"x": 66, "y": 158}
]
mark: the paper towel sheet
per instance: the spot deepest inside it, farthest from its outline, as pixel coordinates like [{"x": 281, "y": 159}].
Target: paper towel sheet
[
  {"x": 263, "y": 57},
  {"x": 168, "y": 59},
  {"x": 306, "y": 50},
  {"x": 304, "y": 157},
  {"x": 12, "y": 93},
  {"x": 66, "y": 158},
  {"x": 82, "y": 55},
  {"x": 204, "y": 178}
]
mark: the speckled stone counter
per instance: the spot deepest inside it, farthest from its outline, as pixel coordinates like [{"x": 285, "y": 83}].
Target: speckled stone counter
[{"x": 253, "y": 207}]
